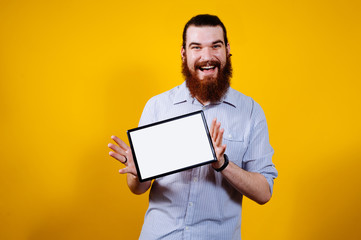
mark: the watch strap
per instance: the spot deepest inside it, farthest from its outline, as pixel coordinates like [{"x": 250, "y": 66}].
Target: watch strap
[{"x": 225, "y": 164}]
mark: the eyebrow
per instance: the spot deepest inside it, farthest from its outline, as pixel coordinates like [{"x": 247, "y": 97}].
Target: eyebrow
[
  {"x": 197, "y": 44},
  {"x": 218, "y": 41}
]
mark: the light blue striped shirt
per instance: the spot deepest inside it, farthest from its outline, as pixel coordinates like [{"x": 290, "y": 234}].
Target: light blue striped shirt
[{"x": 199, "y": 203}]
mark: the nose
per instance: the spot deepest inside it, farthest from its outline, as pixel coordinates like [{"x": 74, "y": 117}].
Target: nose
[{"x": 206, "y": 54}]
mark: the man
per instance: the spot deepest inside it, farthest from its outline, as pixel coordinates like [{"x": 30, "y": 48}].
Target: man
[{"x": 206, "y": 202}]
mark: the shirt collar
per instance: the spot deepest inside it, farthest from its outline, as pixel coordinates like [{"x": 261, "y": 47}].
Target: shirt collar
[
  {"x": 183, "y": 95},
  {"x": 230, "y": 98}
]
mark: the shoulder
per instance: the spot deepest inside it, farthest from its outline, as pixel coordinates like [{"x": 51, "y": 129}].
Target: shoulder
[
  {"x": 238, "y": 98},
  {"x": 167, "y": 97},
  {"x": 246, "y": 104},
  {"x": 160, "y": 104}
]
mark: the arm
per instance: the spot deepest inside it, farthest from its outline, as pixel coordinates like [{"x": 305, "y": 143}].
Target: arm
[
  {"x": 252, "y": 185},
  {"x": 136, "y": 186},
  {"x": 123, "y": 154}
]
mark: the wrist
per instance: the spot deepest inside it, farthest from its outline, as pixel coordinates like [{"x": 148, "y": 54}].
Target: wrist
[{"x": 225, "y": 164}]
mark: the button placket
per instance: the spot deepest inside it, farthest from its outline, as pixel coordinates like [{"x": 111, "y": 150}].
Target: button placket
[{"x": 192, "y": 197}]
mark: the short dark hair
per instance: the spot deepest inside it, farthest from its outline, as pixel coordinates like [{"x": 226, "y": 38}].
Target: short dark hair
[{"x": 204, "y": 20}]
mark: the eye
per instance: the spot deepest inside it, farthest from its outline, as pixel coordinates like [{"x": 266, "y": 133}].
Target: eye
[
  {"x": 216, "y": 46},
  {"x": 195, "y": 47}
]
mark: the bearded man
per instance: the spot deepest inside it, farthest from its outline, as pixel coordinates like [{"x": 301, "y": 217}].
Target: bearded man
[{"x": 206, "y": 202}]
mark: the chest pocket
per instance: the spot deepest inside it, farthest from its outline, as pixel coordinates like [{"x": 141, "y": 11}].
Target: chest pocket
[{"x": 236, "y": 146}]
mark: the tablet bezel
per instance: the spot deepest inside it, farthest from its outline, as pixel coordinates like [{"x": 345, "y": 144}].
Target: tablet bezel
[{"x": 141, "y": 179}]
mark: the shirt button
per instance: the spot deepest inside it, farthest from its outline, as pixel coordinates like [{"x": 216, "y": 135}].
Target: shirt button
[
  {"x": 195, "y": 179},
  {"x": 190, "y": 204},
  {"x": 187, "y": 228},
  {"x": 229, "y": 136}
]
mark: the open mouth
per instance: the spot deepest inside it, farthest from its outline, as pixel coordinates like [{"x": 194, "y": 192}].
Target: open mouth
[{"x": 207, "y": 68}]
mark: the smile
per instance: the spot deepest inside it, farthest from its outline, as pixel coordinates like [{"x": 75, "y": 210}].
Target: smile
[{"x": 205, "y": 68}]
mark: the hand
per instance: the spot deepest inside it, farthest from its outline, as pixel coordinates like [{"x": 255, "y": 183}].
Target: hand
[
  {"x": 217, "y": 136},
  {"x": 123, "y": 154}
]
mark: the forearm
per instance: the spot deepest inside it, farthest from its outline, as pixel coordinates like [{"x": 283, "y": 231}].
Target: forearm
[
  {"x": 250, "y": 184},
  {"x": 136, "y": 186}
]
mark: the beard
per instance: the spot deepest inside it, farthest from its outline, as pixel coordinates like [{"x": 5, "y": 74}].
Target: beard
[{"x": 210, "y": 89}]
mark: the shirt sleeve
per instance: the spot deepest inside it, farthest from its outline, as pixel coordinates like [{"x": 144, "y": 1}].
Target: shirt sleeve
[{"x": 258, "y": 157}]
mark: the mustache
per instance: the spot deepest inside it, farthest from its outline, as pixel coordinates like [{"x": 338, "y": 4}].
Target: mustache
[{"x": 215, "y": 63}]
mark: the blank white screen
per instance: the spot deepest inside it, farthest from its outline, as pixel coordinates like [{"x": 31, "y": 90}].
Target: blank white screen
[{"x": 171, "y": 146}]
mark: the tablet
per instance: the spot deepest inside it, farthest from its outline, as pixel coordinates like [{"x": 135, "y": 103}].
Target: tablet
[{"x": 171, "y": 146}]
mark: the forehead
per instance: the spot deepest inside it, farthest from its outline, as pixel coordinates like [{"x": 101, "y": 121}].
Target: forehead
[{"x": 204, "y": 34}]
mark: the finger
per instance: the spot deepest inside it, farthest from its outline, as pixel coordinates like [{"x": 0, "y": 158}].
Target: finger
[
  {"x": 127, "y": 170},
  {"x": 223, "y": 149},
  {"x": 120, "y": 143},
  {"x": 214, "y": 121},
  {"x": 123, "y": 170},
  {"x": 118, "y": 157},
  {"x": 219, "y": 138},
  {"x": 117, "y": 149},
  {"x": 216, "y": 131}
]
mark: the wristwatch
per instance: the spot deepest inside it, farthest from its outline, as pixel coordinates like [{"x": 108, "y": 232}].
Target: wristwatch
[{"x": 225, "y": 164}]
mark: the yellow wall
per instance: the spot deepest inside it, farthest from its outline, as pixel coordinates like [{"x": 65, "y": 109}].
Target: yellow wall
[{"x": 72, "y": 73}]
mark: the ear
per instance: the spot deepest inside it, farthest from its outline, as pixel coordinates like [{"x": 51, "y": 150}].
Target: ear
[
  {"x": 228, "y": 49},
  {"x": 183, "y": 52}
]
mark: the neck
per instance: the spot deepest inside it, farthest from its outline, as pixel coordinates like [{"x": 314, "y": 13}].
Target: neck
[{"x": 204, "y": 103}]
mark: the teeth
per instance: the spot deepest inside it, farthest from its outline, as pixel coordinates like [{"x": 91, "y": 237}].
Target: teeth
[{"x": 208, "y": 67}]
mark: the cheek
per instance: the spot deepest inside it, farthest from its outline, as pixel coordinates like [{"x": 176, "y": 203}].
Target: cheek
[
  {"x": 190, "y": 63},
  {"x": 223, "y": 61},
  {"x": 192, "y": 58},
  {"x": 221, "y": 56}
]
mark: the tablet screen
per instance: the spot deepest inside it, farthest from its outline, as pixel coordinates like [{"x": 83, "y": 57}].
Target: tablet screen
[{"x": 171, "y": 146}]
